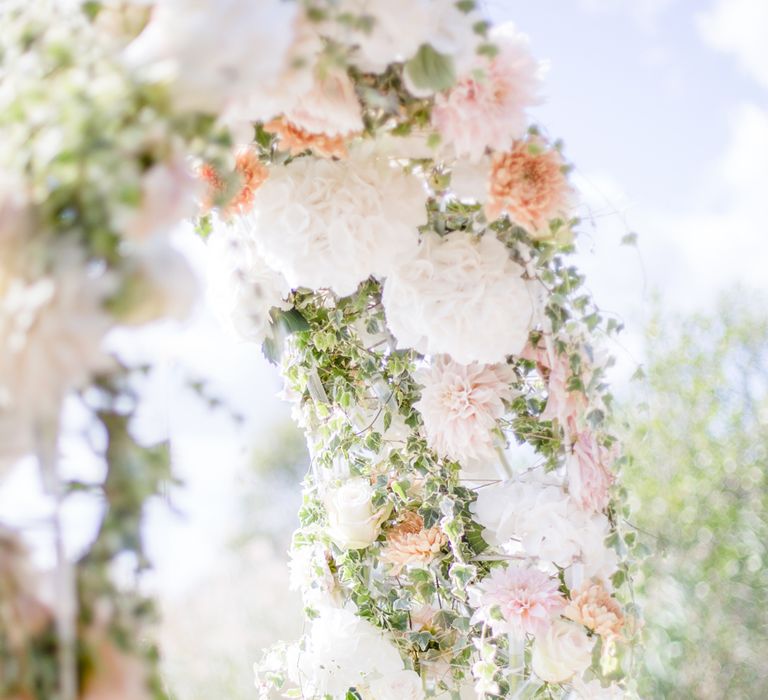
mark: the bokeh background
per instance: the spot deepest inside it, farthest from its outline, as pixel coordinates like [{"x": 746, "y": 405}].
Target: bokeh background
[{"x": 663, "y": 107}]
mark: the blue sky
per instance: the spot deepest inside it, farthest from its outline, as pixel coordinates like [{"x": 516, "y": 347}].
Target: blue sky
[{"x": 663, "y": 107}]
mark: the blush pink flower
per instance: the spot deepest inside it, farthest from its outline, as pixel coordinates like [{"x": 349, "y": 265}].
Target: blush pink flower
[
  {"x": 529, "y": 184},
  {"x": 564, "y": 405},
  {"x": 589, "y": 480},
  {"x": 460, "y": 405},
  {"x": 516, "y": 600},
  {"x": 486, "y": 108}
]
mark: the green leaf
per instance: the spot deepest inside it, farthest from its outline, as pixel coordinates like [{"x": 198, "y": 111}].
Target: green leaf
[
  {"x": 629, "y": 239},
  {"x": 431, "y": 70}
]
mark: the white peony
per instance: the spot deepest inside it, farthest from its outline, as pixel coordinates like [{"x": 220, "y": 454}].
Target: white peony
[
  {"x": 352, "y": 521},
  {"x": 345, "y": 651},
  {"x": 329, "y": 224},
  {"x": 214, "y": 51},
  {"x": 242, "y": 288},
  {"x": 460, "y": 295},
  {"x": 564, "y": 650},
  {"x": 460, "y": 405},
  {"x": 403, "y": 685},
  {"x": 52, "y": 330},
  {"x": 538, "y": 518}
]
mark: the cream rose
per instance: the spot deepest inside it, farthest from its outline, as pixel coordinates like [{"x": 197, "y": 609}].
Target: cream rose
[
  {"x": 403, "y": 685},
  {"x": 565, "y": 649},
  {"x": 352, "y": 521}
]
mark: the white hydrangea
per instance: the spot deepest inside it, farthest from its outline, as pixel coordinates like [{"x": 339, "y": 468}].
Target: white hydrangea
[
  {"x": 345, "y": 651},
  {"x": 242, "y": 288},
  {"x": 214, "y": 51},
  {"x": 460, "y": 295},
  {"x": 535, "y": 516},
  {"x": 332, "y": 224}
]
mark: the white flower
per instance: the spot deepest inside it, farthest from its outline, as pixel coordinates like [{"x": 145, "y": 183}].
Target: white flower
[
  {"x": 52, "y": 330},
  {"x": 328, "y": 224},
  {"x": 345, "y": 651},
  {"x": 460, "y": 405},
  {"x": 242, "y": 288},
  {"x": 469, "y": 180},
  {"x": 402, "y": 685},
  {"x": 538, "y": 518},
  {"x": 564, "y": 650},
  {"x": 213, "y": 51},
  {"x": 310, "y": 574},
  {"x": 460, "y": 295},
  {"x": 352, "y": 521},
  {"x": 330, "y": 107},
  {"x": 296, "y": 79},
  {"x": 388, "y": 39}
]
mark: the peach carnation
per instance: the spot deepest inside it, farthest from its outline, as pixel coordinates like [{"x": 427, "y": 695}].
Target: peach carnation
[
  {"x": 528, "y": 183},
  {"x": 486, "y": 108},
  {"x": 409, "y": 543},
  {"x": 253, "y": 173},
  {"x": 595, "y": 608},
  {"x": 296, "y": 140}
]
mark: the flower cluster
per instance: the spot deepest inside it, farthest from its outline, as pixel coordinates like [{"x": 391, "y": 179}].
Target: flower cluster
[{"x": 383, "y": 218}]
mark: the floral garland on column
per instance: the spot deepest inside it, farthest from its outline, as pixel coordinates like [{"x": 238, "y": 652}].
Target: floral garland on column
[
  {"x": 397, "y": 234},
  {"x": 400, "y": 243}
]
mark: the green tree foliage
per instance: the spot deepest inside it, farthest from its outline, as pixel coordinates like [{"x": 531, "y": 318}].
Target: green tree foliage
[{"x": 699, "y": 482}]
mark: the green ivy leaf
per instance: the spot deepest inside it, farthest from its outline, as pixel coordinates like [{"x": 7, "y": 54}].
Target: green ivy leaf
[{"x": 431, "y": 70}]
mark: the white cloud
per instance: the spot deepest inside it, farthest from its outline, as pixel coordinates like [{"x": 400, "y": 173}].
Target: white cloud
[
  {"x": 644, "y": 12},
  {"x": 739, "y": 27},
  {"x": 688, "y": 254}
]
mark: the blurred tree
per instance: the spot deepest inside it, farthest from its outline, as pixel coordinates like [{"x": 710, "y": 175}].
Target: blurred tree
[{"x": 698, "y": 481}]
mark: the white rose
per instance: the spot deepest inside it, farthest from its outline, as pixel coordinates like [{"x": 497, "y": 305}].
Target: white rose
[
  {"x": 403, "y": 685},
  {"x": 565, "y": 649},
  {"x": 352, "y": 521}
]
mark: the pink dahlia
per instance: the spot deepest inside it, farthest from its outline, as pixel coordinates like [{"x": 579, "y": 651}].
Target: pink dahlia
[
  {"x": 589, "y": 480},
  {"x": 460, "y": 405},
  {"x": 529, "y": 184},
  {"x": 486, "y": 108},
  {"x": 516, "y": 600}
]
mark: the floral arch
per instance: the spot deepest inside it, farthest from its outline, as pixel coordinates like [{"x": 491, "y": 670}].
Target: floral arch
[{"x": 391, "y": 227}]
